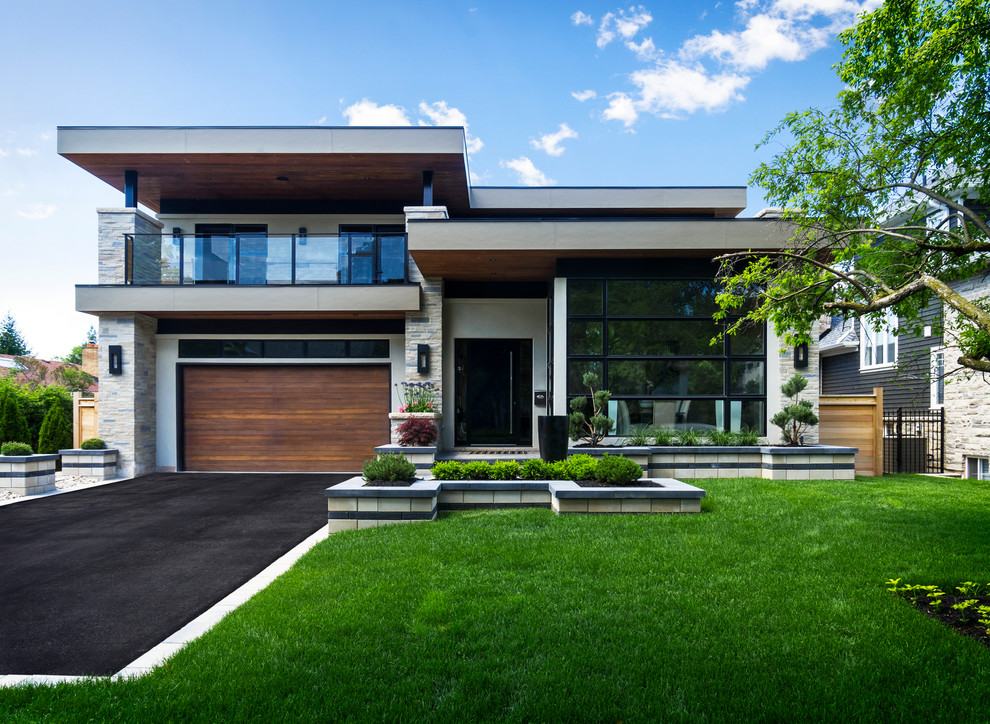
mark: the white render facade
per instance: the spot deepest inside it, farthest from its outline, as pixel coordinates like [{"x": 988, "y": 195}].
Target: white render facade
[{"x": 285, "y": 281}]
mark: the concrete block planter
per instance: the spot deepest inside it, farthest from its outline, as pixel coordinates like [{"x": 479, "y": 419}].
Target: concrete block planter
[
  {"x": 397, "y": 418},
  {"x": 28, "y": 474},
  {"x": 422, "y": 457},
  {"x": 353, "y": 505},
  {"x": 96, "y": 464},
  {"x": 810, "y": 462}
]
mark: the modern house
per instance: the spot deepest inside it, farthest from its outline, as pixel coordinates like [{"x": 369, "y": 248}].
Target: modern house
[{"x": 286, "y": 279}]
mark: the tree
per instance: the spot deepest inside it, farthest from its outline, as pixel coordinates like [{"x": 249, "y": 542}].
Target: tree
[
  {"x": 799, "y": 415},
  {"x": 75, "y": 355},
  {"x": 887, "y": 191},
  {"x": 56, "y": 431},
  {"x": 13, "y": 423},
  {"x": 594, "y": 428},
  {"x": 11, "y": 340},
  {"x": 36, "y": 374}
]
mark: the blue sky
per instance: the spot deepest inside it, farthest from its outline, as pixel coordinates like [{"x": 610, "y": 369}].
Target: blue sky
[{"x": 566, "y": 93}]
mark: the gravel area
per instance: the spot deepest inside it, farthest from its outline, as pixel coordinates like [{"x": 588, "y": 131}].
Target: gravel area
[{"x": 63, "y": 481}]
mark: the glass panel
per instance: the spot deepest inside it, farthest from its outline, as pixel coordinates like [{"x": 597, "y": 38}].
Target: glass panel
[
  {"x": 892, "y": 350},
  {"x": 748, "y": 340},
  {"x": 241, "y": 348},
  {"x": 326, "y": 348},
  {"x": 146, "y": 259},
  {"x": 576, "y": 369},
  {"x": 279, "y": 261},
  {"x": 747, "y": 414},
  {"x": 665, "y": 377},
  {"x": 746, "y": 377},
  {"x": 671, "y": 337},
  {"x": 584, "y": 297},
  {"x": 199, "y": 348},
  {"x": 393, "y": 255},
  {"x": 252, "y": 259},
  {"x": 369, "y": 348},
  {"x": 213, "y": 259},
  {"x": 362, "y": 258},
  {"x": 681, "y": 414},
  {"x": 317, "y": 260},
  {"x": 293, "y": 348},
  {"x": 661, "y": 298},
  {"x": 171, "y": 263},
  {"x": 584, "y": 337}
]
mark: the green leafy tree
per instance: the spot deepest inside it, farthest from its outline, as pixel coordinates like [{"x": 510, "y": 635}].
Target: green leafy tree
[
  {"x": 887, "y": 191},
  {"x": 11, "y": 339},
  {"x": 795, "y": 419},
  {"x": 75, "y": 355},
  {"x": 56, "y": 431},
  {"x": 595, "y": 427}
]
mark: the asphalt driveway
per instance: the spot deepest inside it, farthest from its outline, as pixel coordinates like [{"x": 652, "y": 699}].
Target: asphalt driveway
[{"x": 90, "y": 580}]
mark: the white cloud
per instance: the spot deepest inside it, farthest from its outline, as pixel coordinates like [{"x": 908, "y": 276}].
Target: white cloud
[
  {"x": 38, "y": 211},
  {"x": 323, "y": 119},
  {"x": 582, "y": 18},
  {"x": 442, "y": 115},
  {"x": 709, "y": 71},
  {"x": 526, "y": 172},
  {"x": 26, "y": 152},
  {"x": 550, "y": 142},
  {"x": 584, "y": 95},
  {"x": 369, "y": 113},
  {"x": 3, "y": 153},
  {"x": 622, "y": 23}
]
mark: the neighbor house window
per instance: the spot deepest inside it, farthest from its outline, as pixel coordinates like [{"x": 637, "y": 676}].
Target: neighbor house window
[
  {"x": 649, "y": 342},
  {"x": 878, "y": 347},
  {"x": 938, "y": 378},
  {"x": 978, "y": 468}
]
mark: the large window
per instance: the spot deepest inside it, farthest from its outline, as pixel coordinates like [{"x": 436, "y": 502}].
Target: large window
[
  {"x": 878, "y": 347},
  {"x": 649, "y": 342},
  {"x": 938, "y": 378}
]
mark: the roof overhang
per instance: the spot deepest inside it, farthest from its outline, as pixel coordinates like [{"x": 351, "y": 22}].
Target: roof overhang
[
  {"x": 527, "y": 250},
  {"x": 275, "y": 163}
]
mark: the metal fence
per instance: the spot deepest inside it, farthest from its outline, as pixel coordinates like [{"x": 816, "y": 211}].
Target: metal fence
[{"x": 914, "y": 441}]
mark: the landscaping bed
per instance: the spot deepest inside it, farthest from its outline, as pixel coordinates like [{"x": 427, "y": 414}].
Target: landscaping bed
[{"x": 965, "y": 611}]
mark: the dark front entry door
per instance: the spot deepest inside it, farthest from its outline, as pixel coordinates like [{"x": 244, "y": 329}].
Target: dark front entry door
[{"x": 494, "y": 387}]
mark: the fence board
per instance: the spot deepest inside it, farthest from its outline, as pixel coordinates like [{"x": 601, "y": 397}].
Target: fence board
[
  {"x": 856, "y": 421},
  {"x": 84, "y": 419}
]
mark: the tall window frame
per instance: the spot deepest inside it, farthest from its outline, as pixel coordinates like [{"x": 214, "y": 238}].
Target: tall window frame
[
  {"x": 878, "y": 347},
  {"x": 937, "y": 365}
]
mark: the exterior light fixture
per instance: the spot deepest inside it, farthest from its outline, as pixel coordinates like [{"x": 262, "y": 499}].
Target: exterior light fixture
[
  {"x": 422, "y": 358},
  {"x": 801, "y": 356},
  {"x": 116, "y": 359}
]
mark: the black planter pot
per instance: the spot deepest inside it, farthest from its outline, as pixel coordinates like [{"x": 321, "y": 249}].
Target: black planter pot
[{"x": 553, "y": 436}]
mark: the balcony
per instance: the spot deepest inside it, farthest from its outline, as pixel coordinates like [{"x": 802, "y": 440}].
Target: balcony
[{"x": 264, "y": 259}]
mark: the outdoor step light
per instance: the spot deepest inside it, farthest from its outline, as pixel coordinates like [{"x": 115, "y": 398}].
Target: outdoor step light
[{"x": 116, "y": 359}]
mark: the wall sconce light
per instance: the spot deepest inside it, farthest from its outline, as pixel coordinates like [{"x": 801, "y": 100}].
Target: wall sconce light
[
  {"x": 116, "y": 359},
  {"x": 801, "y": 356},
  {"x": 422, "y": 358}
]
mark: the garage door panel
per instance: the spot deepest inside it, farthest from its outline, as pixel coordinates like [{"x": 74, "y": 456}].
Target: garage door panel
[{"x": 283, "y": 418}]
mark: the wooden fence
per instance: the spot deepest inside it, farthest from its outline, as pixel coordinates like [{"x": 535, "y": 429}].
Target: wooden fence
[
  {"x": 856, "y": 421},
  {"x": 84, "y": 418}
]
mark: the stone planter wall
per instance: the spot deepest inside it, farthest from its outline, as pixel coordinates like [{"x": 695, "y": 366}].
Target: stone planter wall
[
  {"x": 811, "y": 462},
  {"x": 28, "y": 474},
  {"x": 96, "y": 464},
  {"x": 352, "y": 505},
  {"x": 422, "y": 457},
  {"x": 397, "y": 418}
]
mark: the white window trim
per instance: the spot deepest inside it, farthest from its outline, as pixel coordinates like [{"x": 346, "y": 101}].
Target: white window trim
[
  {"x": 973, "y": 468},
  {"x": 886, "y": 334},
  {"x": 937, "y": 379}
]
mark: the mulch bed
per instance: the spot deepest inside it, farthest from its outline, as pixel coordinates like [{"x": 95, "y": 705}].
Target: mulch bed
[
  {"x": 389, "y": 483},
  {"x": 965, "y": 622},
  {"x": 604, "y": 484}
]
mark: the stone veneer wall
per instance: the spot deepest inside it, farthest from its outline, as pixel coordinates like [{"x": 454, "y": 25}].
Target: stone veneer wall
[
  {"x": 127, "y": 401},
  {"x": 786, "y": 370},
  {"x": 967, "y": 396},
  {"x": 113, "y": 225},
  {"x": 426, "y": 325}
]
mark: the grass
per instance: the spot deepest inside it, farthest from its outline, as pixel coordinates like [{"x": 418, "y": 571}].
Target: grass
[{"x": 768, "y": 606}]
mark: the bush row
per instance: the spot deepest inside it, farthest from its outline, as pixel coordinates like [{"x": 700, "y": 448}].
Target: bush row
[
  {"x": 668, "y": 436},
  {"x": 612, "y": 469}
]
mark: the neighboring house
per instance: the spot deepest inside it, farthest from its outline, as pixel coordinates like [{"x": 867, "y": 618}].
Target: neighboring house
[
  {"x": 36, "y": 372},
  {"x": 290, "y": 277}
]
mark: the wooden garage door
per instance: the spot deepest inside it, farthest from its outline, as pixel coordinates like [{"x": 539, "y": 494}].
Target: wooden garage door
[{"x": 283, "y": 417}]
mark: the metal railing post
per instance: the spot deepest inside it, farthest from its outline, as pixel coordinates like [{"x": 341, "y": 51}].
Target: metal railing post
[
  {"x": 899, "y": 446},
  {"x": 292, "y": 265}
]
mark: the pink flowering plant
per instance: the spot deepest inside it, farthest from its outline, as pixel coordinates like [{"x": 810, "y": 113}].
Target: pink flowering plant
[{"x": 418, "y": 396}]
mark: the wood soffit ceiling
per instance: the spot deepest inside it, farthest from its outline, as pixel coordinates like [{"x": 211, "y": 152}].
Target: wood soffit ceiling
[{"x": 311, "y": 177}]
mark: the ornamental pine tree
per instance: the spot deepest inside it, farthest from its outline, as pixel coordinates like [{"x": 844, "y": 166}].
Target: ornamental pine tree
[
  {"x": 797, "y": 417},
  {"x": 13, "y": 423},
  {"x": 56, "y": 431},
  {"x": 11, "y": 339}
]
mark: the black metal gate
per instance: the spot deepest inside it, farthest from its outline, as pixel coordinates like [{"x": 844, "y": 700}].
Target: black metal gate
[{"x": 914, "y": 441}]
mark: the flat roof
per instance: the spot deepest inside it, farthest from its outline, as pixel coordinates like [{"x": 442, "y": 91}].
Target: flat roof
[{"x": 369, "y": 165}]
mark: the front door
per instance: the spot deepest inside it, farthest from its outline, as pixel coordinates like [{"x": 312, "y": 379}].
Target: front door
[{"x": 494, "y": 387}]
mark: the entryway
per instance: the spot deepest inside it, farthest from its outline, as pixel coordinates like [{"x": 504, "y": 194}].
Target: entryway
[{"x": 493, "y": 381}]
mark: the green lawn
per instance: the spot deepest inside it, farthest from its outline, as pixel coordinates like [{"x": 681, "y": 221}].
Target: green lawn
[{"x": 769, "y": 605}]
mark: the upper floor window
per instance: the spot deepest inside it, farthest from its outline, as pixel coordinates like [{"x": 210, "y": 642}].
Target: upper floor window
[
  {"x": 878, "y": 348},
  {"x": 938, "y": 378}
]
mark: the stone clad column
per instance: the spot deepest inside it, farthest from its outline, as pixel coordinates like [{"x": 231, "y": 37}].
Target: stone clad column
[
  {"x": 780, "y": 368},
  {"x": 426, "y": 325},
  {"x": 113, "y": 225}
]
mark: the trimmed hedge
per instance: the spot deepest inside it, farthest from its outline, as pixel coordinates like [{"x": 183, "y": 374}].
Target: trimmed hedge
[
  {"x": 611, "y": 469},
  {"x": 16, "y": 448}
]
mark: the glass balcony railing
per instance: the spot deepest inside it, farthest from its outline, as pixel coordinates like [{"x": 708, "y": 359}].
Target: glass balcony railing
[{"x": 352, "y": 258}]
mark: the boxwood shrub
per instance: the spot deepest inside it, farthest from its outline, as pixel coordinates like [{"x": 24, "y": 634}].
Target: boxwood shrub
[
  {"x": 617, "y": 470},
  {"x": 389, "y": 468},
  {"x": 16, "y": 448},
  {"x": 93, "y": 443}
]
